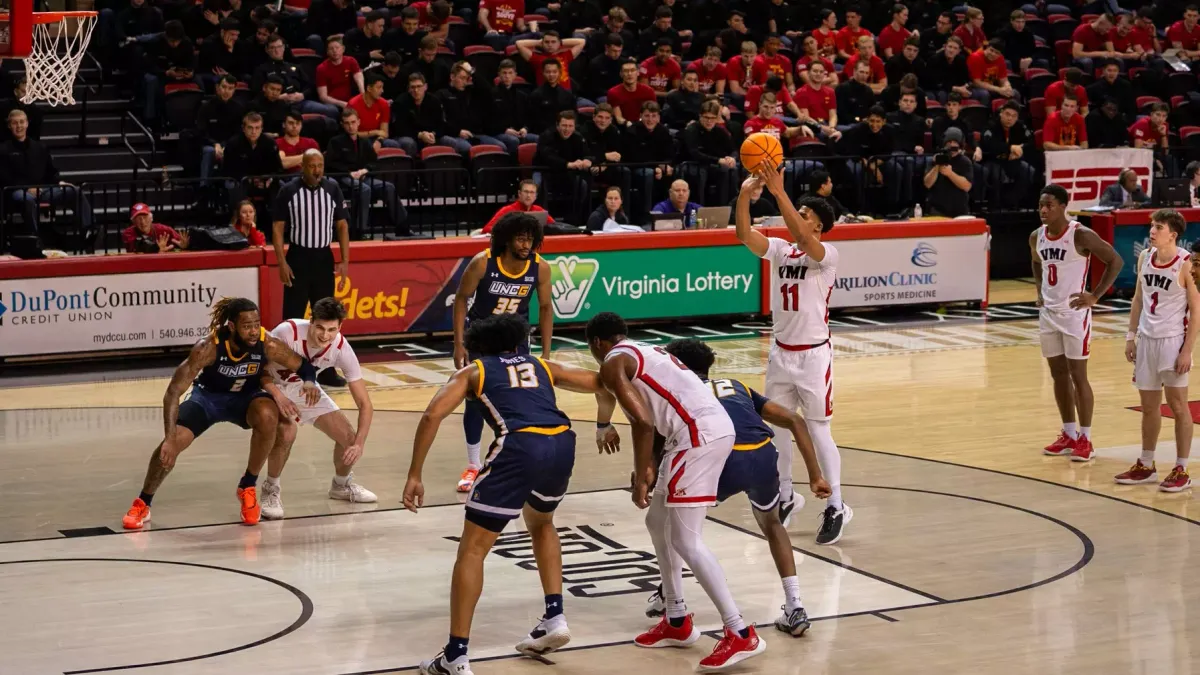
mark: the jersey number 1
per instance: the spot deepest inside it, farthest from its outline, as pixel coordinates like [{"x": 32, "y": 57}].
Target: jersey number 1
[
  {"x": 507, "y": 306},
  {"x": 1052, "y": 274},
  {"x": 792, "y": 292},
  {"x": 522, "y": 376}
]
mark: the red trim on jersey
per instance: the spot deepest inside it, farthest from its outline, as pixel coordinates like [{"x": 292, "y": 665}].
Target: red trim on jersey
[
  {"x": 801, "y": 348},
  {"x": 828, "y": 294},
  {"x": 341, "y": 340},
  {"x": 1163, "y": 267},
  {"x": 319, "y": 354},
  {"x": 690, "y": 500},
  {"x": 829, "y": 389},
  {"x": 1046, "y": 231},
  {"x": 1087, "y": 334},
  {"x": 632, "y": 350},
  {"x": 657, "y": 388},
  {"x": 295, "y": 331}
]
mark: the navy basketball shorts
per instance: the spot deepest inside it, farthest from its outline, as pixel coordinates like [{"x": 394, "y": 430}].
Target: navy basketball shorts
[
  {"x": 523, "y": 468},
  {"x": 754, "y": 472},
  {"x": 204, "y": 408}
]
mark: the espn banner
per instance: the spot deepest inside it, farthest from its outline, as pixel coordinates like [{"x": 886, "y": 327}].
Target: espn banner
[{"x": 1086, "y": 173}]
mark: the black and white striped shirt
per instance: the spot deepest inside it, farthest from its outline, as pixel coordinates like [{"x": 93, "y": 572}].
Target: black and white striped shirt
[{"x": 310, "y": 212}]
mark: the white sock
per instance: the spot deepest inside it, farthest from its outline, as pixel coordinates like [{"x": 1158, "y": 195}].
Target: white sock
[
  {"x": 685, "y": 527},
  {"x": 1085, "y": 432},
  {"x": 1181, "y": 461},
  {"x": 473, "y": 455},
  {"x": 791, "y": 593},
  {"x": 341, "y": 481},
  {"x": 676, "y": 609},
  {"x": 273, "y": 482},
  {"x": 829, "y": 457},
  {"x": 1069, "y": 429},
  {"x": 1147, "y": 457}
]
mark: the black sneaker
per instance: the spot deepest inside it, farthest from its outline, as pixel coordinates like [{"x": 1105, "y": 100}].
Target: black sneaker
[
  {"x": 330, "y": 378},
  {"x": 833, "y": 522},
  {"x": 794, "y": 623}
]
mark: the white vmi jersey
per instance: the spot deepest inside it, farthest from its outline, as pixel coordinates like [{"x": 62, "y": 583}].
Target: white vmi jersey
[
  {"x": 685, "y": 410},
  {"x": 1164, "y": 298},
  {"x": 1064, "y": 270},
  {"x": 800, "y": 290},
  {"x": 338, "y": 353}
]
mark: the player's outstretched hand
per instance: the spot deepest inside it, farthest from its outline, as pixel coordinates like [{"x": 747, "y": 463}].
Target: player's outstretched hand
[
  {"x": 1130, "y": 350},
  {"x": 414, "y": 494},
  {"x": 608, "y": 440},
  {"x": 352, "y": 454},
  {"x": 820, "y": 488},
  {"x": 312, "y": 393},
  {"x": 1183, "y": 362}
]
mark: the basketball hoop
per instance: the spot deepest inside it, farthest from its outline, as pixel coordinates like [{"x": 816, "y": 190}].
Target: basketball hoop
[{"x": 56, "y": 44}]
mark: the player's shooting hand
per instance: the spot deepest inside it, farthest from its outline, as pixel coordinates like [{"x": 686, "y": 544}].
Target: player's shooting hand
[
  {"x": 1183, "y": 362},
  {"x": 460, "y": 356},
  {"x": 1082, "y": 300},
  {"x": 352, "y": 454},
  {"x": 312, "y": 393},
  {"x": 414, "y": 494},
  {"x": 287, "y": 408},
  {"x": 608, "y": 440},
  {"x": 820, "y": 488},
  {"x": 1131, "y": 350},
  {"x": 751, "y": 184},
  {"x": 771, "y": 178}
]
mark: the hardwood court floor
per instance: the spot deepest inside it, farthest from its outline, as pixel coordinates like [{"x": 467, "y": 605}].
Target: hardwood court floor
[{"x": 969, "y": 551}]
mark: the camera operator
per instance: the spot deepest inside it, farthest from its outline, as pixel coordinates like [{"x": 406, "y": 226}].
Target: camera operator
[{"x": 949, "y": 179}]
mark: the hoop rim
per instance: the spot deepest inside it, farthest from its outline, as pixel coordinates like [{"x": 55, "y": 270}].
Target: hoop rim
[{"x": 52, "y": 17}]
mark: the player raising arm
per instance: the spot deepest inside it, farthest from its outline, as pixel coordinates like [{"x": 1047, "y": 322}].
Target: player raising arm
[
  {"x": 500, "y": 280},
  {"x": 530, "y": 477},
  {"x": 226, "y": 369}
]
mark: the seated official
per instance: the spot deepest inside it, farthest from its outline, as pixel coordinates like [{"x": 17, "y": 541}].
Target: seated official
[
  {"x": 678, "y": 203},
  {"x": 612, "y": 209},
  {"x": 527, "y": 194},
  {"x": 1125, "y": 193}
]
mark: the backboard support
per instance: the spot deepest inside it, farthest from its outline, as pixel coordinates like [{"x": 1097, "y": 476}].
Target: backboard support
[{"x": 16, "y": 28}]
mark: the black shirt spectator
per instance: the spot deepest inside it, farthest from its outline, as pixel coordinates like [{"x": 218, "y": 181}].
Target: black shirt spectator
[
  {"x": 604, "y": 71},
  {"x": 366, "y": 44},
  {"x": 1018, "y": 44},
  {"x": 942, "y": 74},
  {"x": 295, "y": 81},
  {"x": 854, "y": 99},
  {"x": 465, "y": 108},
  {"x": 860, "y": 141},
  {"x": 942, "y": 123},
  {"x": 660, "y": 29},
  {"x": 932, "y": 41},
  {"x": 683, "y": 106},
  {"x": 223, "y": 53},
  {"x": 273, "y": 109},
  {"x": 596, "y": 220},
  {"x": 437, "y": 74},
  {"x": 890, "y": 99},
  {"x": 900, "y": 65},
  {"x": 706, "y": 146},
  {"x": 32, "y": 113},
  {"x": 405, "y": 40},
  {"x": 331, "y": 17},
  {"x": 600, "y": 38},
  {"x": 509, "y": 109},
  {"x": 347, "y": 153},
  {"x": 649, "y": 145},
  {"x": 944, "y": 197},
  {"x": 996, "y": 143},
  {"x": 607, "y": 140},
  {"x": 165, "y": 56},
  {"x": 555, "y": 151},
  {"x": 219, "y": 118},
  {"x": 1107, "y": 127},
  {"x": 137, "y": 19},
  {"x": 577, "y": 15},
  {"x": 545, "y": 103},
  {"x": 410, "y": 118},
  {"x": 908, "y": 130},
  {"x": 244, "y": 158},
  {"x": 1118, "y": 88},
  {"x": 26, "y": 162},
  {"x": 394, "y": 85}
]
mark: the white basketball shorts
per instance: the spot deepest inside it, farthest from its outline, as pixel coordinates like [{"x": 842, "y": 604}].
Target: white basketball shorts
[
  {"x": 1154, "y": 365},
  {"x": 1066, "y": 333},
  {"x": 690, "y": 477},
  {"x": 802, "y": 379},
  {"x": 308, "y": 414}
]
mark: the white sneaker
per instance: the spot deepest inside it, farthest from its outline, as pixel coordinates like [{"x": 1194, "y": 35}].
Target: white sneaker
[
  {"x": 351, "y": 492},
  {"x": 272, "y": 503},
  {"x": 549, "y": 635},
  {"x": 787, "y": 508},
  {"x": 438, "y": 665},
  {"x": 656, "y": 605}
]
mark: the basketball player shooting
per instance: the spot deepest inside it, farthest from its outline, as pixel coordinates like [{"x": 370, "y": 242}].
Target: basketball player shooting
[
  {"x": 527, "y": 472},
  {"x": 500, "y": 280},
  {"x": 800, "y": 365},
  {"x": 226, "y": 370},
  {"x": 1162, "y": 334},
  {"x": 752, "y": 469},
  {"x": 321, "y": 342},
  {"x": 659, "y": 394},
  {"x": 1061, "y": 250}
]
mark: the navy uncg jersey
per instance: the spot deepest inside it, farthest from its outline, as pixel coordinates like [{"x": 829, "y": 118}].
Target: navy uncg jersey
[
  {"x": 517, "y": 393},
  {"x": 232, "y": 372},
  {"x": 502, "y": 292},
  {"x": 744, "y": 406}
]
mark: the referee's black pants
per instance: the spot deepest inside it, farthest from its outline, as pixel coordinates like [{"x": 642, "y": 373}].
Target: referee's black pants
[{"x": 312, "y": 279}]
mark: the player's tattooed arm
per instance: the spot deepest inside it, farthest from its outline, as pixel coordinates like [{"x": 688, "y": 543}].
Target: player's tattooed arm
[
  {"x": 616, "y": 373},
  {"x": 776, "y": 414},
  {"x": 1091, "y": 243},
  {"x": 753, "y": 239},
  {"x": 203, "y": 353},
  {"x": 278, "y": 352},
  {"x": 1036, "y": 262},
  {"x": 466, "y": 288},
  {"x": 443, "y": 403},
  {"x": 545, "y": 308}
]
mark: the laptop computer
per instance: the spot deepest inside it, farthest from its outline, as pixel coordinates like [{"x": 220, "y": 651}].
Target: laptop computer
[
  {"x": 709, "y": 217},
  {"x": 666, "y": 222},
  {"x": 540, "y": 216},
  {"x": 1172, "y": 192}
]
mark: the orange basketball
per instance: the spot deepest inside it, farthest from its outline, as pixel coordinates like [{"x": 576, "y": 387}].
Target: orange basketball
[{"x": 761, "y": 147}]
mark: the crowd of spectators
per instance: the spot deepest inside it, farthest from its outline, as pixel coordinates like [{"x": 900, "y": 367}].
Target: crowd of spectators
[{"x": 923, "y": 103}]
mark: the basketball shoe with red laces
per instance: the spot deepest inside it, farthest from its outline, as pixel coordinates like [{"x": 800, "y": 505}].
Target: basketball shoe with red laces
[
  {"x": 1083, "y": 452},
  {"x": 666, "y": 635},
  {"x": 138, "y": 515},
  {"x": 1177, "y": 481},
  {"x": 1138, "y": 474},
  {"x": 251, "y": 510},
  {"x": 1064, "y": 445},
  {"x": 732, "y": 650}
]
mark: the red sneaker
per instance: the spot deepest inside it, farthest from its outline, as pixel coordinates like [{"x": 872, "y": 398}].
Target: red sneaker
[
  {"x": 138, "y": 515},
  {"x": 666, "y": 635},
  {"x": 1084, "y": 452},
  {"x": 1177, "y": 481},
  {"x": 251, "y": 511},
  {"x": 1138, "y": 474},
  {"x": 731, "y": 650},
  {"x": 1064, "y": 445}
]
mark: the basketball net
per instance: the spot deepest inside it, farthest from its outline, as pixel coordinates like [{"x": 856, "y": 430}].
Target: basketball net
[{"x": 60, "y": 40}]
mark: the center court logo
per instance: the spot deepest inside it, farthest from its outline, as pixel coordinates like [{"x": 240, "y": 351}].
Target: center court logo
[
  {"x": 924, "y": 255},
  {"x": 571, "y": 279}
]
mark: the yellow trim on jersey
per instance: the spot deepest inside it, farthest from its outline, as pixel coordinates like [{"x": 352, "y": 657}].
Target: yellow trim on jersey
[
  {"x": 518, "y": 275},
  {"x": 262, "y": 333},
  {"x": 545, "y": 431},
  {"x": 479, "y": 387},
  {"x": 548, "y": 373},
  {"x": 746, "y": 447},
  {"x": 229, "y": 351},
  {"x": 744, "y": 387}
]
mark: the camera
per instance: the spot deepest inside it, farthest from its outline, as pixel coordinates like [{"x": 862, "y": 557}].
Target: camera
[{"x": 941, "y": 159}]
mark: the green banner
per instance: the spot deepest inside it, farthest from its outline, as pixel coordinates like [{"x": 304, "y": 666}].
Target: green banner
[
  {"x": 1129, "y": 242},
  {"x": 654, "y": 283}
]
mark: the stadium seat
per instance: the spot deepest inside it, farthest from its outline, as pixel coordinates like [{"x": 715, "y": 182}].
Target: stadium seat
[
  {"x": 396, "y": 167},
  {"x": 1035, "y": 85},
  {"x": 362, "y": 21},
  {"x": 180, "y": 104},
  {"x": 1144, "y": 103},
  {"x": 308, "y": 60},
  {"x": 1062, "y": 53},
  {"x": 298, "y": 4},
  {"x": 492, "y": 169},
  {"x": 1037, "y": 112},
  {"x": 485, "y": 60},
  {"x": 243, "y": 94},
  {"x": 443, "y": 172},
  {"x": 185, "y": 86},
  {"x": 1037, "y": 139},
  {"x": 319, "y": 128},
  {"x": 1088, "y": 18},
  {"x": 1061, "y": 28},
  {"x": 1039, "y": 28},
  {"x": 997, "y": 102},
  {"x": 1186, "y": 132},
  {"x": 975, "y": 115},
  {"x": 1179, "y": 84},
  {"x": 526, "y": 154}
]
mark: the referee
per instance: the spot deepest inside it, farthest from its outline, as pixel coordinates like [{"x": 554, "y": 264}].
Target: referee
[{"x": 312, "y": 207}]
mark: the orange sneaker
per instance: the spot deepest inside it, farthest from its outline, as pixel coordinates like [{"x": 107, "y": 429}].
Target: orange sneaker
[
  {"x": 250, "y": 507},
  {"x": 467, "y": 479},
  {"x": 138, "y": 515}
]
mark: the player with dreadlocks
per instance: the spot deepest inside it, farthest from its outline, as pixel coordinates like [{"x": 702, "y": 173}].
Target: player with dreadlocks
[
  {"x": 225, "y": 369},
  {"x": 502, "y": 280}
]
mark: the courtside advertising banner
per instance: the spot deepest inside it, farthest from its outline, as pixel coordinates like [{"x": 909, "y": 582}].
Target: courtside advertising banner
[
  {"x": 119, "y": 311},
  {"x": 878, "y": 272},
  {"x": 1085, "y": 173}
]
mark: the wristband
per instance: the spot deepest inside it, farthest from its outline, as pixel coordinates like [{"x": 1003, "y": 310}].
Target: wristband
[
  {"x": 1130, "y": 336},
  {"x": 603, "y": 425},
  {"x": 306, "y": 371}
]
